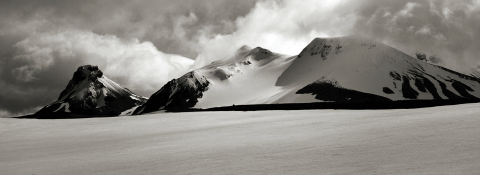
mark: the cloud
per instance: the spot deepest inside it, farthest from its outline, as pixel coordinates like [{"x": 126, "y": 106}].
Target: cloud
[
  {"x": 159, "y": 22},
  {"x": 281, "y": 26},
  {"x": 446, "y": 29},
  {"x": 136, "y": 65},
  {"x": 132, "y": 62}
]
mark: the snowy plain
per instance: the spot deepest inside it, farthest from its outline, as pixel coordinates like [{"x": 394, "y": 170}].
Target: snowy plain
[{"x": 437, "y": 140}]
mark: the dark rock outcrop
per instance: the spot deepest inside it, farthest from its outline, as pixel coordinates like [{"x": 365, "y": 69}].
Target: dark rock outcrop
[
  {"x": 407, "y": 90},
  {"x": 387, "y": 90},
  {"x": 462, "y": 89},
  {"x": 330, "y": 90}
]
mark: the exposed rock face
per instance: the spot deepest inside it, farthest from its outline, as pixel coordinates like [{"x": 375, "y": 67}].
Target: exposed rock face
[
  {"x": 183, "y": 92},
  {"x": 91, "y": 93}
]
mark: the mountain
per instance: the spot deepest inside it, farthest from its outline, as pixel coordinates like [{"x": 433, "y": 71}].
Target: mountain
[
  {"x": 343, "y": 69},
  {"x": 91, "y": 93}
]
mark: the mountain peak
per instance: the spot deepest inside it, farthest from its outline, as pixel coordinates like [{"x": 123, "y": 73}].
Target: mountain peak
[
  {"x": 244, "y": 48},
  {"x": 262, "y": 50},
  {"x": 89, "y": 92},
  {"x": 182, "y": 92}
]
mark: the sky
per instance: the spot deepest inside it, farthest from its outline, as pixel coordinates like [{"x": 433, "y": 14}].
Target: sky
[{"x": 143, "y": 44}]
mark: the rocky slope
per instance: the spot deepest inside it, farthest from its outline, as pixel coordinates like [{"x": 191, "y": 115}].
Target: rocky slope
[
  {"x": 91, "y": 93},
  {"x": 183, "y": 92}
]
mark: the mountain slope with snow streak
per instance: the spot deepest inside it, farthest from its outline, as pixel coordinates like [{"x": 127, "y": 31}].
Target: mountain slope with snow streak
[
  {"x": 90, "y": 92},
  {"x": 372, "y": 67},
  {"x": 343, "y": 69}
]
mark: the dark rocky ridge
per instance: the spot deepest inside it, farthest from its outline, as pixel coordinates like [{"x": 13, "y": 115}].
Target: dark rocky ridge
[{"x": 180, "y": 93}]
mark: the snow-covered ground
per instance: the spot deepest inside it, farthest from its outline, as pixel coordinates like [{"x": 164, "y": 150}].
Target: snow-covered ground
[{"x": 438, "y": 140}]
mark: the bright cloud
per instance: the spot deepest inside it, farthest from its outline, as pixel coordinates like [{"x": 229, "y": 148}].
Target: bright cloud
[
  {"x": 134, "y": 64},
  {"x": 284, "y": 27}
]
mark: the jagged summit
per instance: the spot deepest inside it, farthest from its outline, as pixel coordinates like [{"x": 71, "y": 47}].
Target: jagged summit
[
  {"x": 244, "y": 55},
  {"x": 341, "y": 69},
  {"x": 250, "y": 50},
  {"x": 90, "y": 92}
]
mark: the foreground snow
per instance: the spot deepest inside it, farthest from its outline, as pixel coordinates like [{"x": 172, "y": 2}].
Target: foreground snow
[{"x": 439, "y": 140}]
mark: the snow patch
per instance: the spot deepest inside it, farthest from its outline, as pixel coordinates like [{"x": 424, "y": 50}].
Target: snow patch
[{"x": 64, "y": 106}]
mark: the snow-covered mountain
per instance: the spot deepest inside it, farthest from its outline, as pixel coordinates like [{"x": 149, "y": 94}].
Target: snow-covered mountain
[
  {"x": 90, "y": 92},
  {"x": 339, "y": 69}
]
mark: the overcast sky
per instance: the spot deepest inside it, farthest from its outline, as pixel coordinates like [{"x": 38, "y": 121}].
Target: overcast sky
[{"x": 143, "y": 44}]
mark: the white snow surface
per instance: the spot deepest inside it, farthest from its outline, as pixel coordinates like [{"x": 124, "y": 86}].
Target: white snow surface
[
  {"x": 258, "y": 76},
  {"x": 438, "y": 140},
  {"x": 247, "y": 77}
]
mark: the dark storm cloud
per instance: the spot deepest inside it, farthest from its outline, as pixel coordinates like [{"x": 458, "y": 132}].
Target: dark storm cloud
[
  {"x": 167, "y": 24},
  {"x": 447, "y": 29}
]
